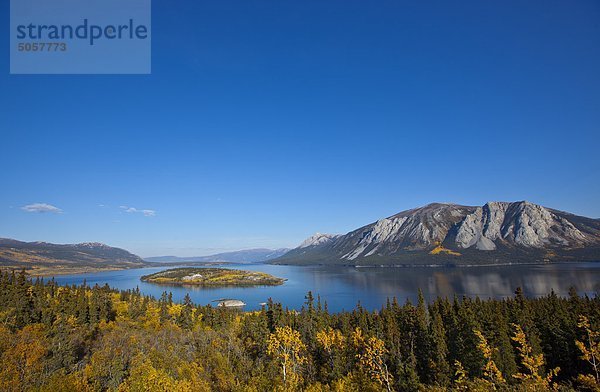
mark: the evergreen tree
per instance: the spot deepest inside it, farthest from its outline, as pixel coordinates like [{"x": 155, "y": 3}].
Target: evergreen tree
[
  {"x": 439, "y": 369},
  {"x": 185, "y": 318}
]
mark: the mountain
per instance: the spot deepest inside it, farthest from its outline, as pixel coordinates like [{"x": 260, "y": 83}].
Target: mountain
[
  {"x": 317, "y": 239},
  {"x": 242, "y": 256},
  {"x": 451, "y": 234},
  {"x": 43, "y": 258}
]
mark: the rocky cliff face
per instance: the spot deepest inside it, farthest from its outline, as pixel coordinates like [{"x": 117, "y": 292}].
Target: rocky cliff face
[
  {"x": 522, "y": 223},
  {"x": 317, "y": 239},
  {"x": 415, "y": 229},
  {"x": 499, "y": 232}
]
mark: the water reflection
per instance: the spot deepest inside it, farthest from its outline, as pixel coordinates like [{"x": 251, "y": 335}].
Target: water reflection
[
  {"x": 344, "y": 287},
  {"x": 476, "y": 281}
]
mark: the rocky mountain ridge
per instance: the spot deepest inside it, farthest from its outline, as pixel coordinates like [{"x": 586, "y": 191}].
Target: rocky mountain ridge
[
  {"x": 497, "y": 232},
  {"x": 317, "y": 239}
]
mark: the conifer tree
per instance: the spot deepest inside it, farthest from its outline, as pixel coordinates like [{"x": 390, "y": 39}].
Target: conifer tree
[
  {"x": 438, "y": 363},
  {"x": 185, "y": 318}
]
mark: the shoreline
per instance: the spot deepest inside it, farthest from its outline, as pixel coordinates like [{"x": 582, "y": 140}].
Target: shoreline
[
  {"x": 82, "y": 271},
  {"x": 438, "y": 265},
  {"x": 62, "y": 270},
  {"x": 74, "y": 271}
]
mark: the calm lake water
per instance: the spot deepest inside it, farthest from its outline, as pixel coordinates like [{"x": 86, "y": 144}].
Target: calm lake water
[{"x": 344, "y": 287}]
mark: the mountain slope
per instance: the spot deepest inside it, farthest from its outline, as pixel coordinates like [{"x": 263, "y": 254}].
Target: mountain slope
[
  {"x": 317, "y": 239},
  {"x": 42, "y": 258},
  {"x": 441, "y": 234},
  {"x": 242, "y": 256}
]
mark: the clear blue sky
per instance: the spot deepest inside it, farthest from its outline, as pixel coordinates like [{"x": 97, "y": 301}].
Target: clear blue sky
[{"x": 265, "y": 121}]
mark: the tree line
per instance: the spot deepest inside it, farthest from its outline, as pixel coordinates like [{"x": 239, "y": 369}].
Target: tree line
[{"x": 82, "y": 338}]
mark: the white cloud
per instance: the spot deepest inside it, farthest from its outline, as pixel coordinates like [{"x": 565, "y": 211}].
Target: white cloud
[
  {"x": 41, "y": 208},
  {"x": 149, "y": 212},
  {"x": 132, "y": 210}
]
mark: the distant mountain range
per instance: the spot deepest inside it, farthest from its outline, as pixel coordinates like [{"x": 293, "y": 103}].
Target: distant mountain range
[
  {"x": 436, "y": 234},
  {"x": 451, "y": 234},
  {"x": 43, "y": 258},
  {"x": 242, "y": 256}
]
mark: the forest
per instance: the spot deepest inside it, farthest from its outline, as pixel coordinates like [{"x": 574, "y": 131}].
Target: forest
[{"x": 81, "y": 338}]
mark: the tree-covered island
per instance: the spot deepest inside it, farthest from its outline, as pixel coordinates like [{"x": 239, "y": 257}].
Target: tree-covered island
[{"x": 214, "y": 277}]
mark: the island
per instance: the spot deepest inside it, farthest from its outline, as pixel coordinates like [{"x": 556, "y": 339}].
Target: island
[
  {"x": 229, "y": 303},
  {"x": 213, "y": 277}
]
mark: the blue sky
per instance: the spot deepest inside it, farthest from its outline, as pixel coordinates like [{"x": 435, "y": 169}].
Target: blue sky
[{"x": 265, "y": 121}]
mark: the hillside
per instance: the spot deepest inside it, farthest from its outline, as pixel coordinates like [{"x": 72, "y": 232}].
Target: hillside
[
  {"x": 43, "y": 258},
  {"x": 451, "y": 234}
]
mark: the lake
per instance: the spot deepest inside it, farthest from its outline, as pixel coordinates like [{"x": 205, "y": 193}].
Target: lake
[{"x": 344, "y": 287}]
